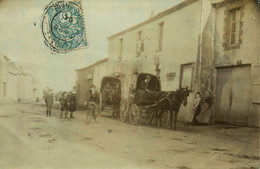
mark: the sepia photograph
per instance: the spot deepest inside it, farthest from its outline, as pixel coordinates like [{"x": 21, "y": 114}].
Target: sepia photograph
[{"x": 129, "y": 84}]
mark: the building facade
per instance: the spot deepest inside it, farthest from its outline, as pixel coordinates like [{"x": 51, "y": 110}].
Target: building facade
[
  {"x": 16, "y": 85},
  {"x": 236, "y": 62},
  {"x": 200, "y": 44},
  {"x": 166, "y": 45}
]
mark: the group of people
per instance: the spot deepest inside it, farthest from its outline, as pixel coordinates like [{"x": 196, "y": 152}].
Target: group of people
[
  {"x": 67, "y": 103},
  {"x": 197, "y": 104},
  {"x": 68, "y": 100}
]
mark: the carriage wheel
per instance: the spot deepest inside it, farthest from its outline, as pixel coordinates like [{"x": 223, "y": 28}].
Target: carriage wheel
[
  {"x": 134, "y": 114},
  {"x": 148, "y": 117},
  {"x": 123, "y": 110}
]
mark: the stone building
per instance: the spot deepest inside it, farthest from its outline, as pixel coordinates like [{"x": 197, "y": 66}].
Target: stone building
[
  {"x": 203, "y": 44},
  {"x": 3, "y": 76},
  {"x": 16, "y": 85},
  {"x": 233, "y": 61},
  {"x": 167, "y": 45}
]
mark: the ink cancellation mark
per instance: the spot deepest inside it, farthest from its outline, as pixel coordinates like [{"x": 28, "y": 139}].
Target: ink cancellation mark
[{"x": 63, "y": 26}]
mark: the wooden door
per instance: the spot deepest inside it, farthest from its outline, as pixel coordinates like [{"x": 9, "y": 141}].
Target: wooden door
[
  {"x": 232, "y": 97},
  {"x": 224, "y": 89},
  {"x": 240, "y": 95}
]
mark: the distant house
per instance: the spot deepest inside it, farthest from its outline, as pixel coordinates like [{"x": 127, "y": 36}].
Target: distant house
[
  {"x": 89, "y": 75},
  {"x": 17, "y": 85}
]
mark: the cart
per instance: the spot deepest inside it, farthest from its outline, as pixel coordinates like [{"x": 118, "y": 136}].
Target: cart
[
  {"x": 111, "y": 93},
  {"x": 139, "y": 105}
]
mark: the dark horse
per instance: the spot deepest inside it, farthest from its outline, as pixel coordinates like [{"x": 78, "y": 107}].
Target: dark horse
[{"x": 171, "y": 101}]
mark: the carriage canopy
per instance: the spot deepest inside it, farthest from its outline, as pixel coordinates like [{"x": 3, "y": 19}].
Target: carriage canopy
[
  {"x": 110, "y": 89},
  {"x": 110, "y": 80},
  {"x": 154, "y": 84},
  {"x": 147, "y": 97}
]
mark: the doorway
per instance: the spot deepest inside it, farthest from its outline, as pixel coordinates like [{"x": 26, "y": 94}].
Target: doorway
[{"x": 233, "y": 91}]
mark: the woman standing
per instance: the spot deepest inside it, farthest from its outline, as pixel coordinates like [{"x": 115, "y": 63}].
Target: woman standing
[{"x": 196, "y": 108}]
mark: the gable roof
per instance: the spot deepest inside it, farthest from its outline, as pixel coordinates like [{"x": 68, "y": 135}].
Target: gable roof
[
  {"x": 94, "y": 64},
  {"x": 156, "y": 17}
]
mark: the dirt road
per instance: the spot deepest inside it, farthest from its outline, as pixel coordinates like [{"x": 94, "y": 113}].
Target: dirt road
[{"x": 30, "y": 140}]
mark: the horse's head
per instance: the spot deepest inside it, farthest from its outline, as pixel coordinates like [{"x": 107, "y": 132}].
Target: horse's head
[{"x": 184, "y": 93}]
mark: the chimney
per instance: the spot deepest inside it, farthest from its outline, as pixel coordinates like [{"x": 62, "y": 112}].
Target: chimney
[{"x": 152, "y": 14}]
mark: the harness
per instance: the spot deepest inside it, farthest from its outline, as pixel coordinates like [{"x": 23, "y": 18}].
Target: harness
[{"x": 166, "y": 97}]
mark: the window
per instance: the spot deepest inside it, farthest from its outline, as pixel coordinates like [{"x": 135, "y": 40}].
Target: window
[
  {"x": 160, "y": 44},
  {"x": 89, "y": 83},
  {"x": 139, "y": 34},
  {"x": 139, "y": 44},
  {"x": 232, "y": 37},
  {"x": 4, "y": 89},
  {"x": 234, "y": 27},
  {"x": 78, "y": 91},
  {"x": 121, "y": 43},
  {"x": 186, "y": 76}
]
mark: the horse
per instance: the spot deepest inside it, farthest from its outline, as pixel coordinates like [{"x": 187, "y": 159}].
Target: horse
[{"x": 171, "y": 101}]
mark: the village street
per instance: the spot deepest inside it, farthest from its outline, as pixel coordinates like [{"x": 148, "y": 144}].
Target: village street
[{"x": 30, "y": 140}]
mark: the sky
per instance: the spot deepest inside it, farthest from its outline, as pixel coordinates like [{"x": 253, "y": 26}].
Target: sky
[{"x": 22, "y": 41}]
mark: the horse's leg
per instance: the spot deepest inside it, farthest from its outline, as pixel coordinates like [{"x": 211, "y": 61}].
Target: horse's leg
[
  {"x": 175, "y": 119},
  {"x": 171, "y": 118},
  {"x": 160, "y": 117},
  {"x": 116, "y": 111},
  {"x": 156, "y": 114},
  {"x": 113, "y": 110}
]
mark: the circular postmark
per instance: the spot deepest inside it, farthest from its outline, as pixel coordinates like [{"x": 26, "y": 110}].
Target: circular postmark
[{"x": 63, "y": 26}]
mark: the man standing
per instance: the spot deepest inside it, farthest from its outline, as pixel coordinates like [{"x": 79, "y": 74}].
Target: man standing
[
  {"x": 49, "y": 102},
  {"x": 107, "y": 93},
  {"x": 142, "y": 93}
]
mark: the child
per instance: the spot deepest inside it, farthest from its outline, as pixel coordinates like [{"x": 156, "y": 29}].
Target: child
[
  {"x": 64, "y": 104},
  {"x": 72, "y": 103}
]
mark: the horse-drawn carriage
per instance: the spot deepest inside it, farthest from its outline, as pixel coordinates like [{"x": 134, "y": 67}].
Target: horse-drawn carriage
[
  {"x": 143, "y": 104},
  {"x": 138, "y": 105},
  {"x": 111, "y": 93}
]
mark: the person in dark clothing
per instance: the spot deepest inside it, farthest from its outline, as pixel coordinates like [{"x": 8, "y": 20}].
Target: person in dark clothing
[
  {"x": 107, "y": 93},
  {"x": 64, "y": 104},
  {"x": 116, "y": 98},
  {"x": 93, "y": 102},
  {"x": 49, "y": 102},
  {"x": 72, "y": 103},
  {"x": 196, "y": 108},
  {"x": 209, "y": 100},
  {"x": 144, "y": 84}
]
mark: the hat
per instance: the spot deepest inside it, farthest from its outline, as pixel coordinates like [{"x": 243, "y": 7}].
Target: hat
[{"x": 148, "y": 77}]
